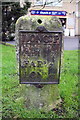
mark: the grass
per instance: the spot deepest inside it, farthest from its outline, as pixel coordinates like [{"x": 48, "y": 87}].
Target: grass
[{"x": 12, "y": 97}]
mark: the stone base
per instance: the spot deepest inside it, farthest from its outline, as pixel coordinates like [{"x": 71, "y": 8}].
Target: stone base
[{"x": 45, "y": 98}]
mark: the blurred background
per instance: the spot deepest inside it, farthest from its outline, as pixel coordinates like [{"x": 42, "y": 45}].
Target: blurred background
[{"x": 11, "y": 11}]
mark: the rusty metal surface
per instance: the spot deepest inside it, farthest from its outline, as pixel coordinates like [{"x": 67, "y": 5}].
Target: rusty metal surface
[{"x": 39, "y": 56}]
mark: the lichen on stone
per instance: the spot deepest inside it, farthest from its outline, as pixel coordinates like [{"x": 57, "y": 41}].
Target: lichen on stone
[{"x": 38, "y": 98}]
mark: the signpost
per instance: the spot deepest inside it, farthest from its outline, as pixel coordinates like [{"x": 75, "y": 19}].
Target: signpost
[
  {"x": 38, "y": 49},
  {"x": 47, "y": 12}
]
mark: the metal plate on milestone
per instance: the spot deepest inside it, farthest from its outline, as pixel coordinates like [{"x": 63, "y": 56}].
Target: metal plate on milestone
[{"x": 39, "y": 57}]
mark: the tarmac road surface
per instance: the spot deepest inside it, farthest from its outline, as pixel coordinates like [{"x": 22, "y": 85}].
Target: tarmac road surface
[{"x": 71, "y": 43}]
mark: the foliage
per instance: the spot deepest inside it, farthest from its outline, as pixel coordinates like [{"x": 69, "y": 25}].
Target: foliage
[
  {"x": 13, "y": 100},
  {"x": 11, "y": 11}
]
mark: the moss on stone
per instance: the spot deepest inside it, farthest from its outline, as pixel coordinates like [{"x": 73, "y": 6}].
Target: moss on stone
[
  {"x": 50, "y": 23},
  {"x": 39, "y": 98}
]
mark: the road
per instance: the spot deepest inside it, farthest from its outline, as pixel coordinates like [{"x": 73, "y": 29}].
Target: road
[{"x": 70, "y": 43}]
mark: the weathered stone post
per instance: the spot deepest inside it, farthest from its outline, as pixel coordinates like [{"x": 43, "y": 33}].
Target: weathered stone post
[{"x": 47, "y": 97}]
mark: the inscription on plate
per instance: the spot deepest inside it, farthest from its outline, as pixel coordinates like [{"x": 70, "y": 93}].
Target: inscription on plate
[{"x": 39, "y": 57}]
